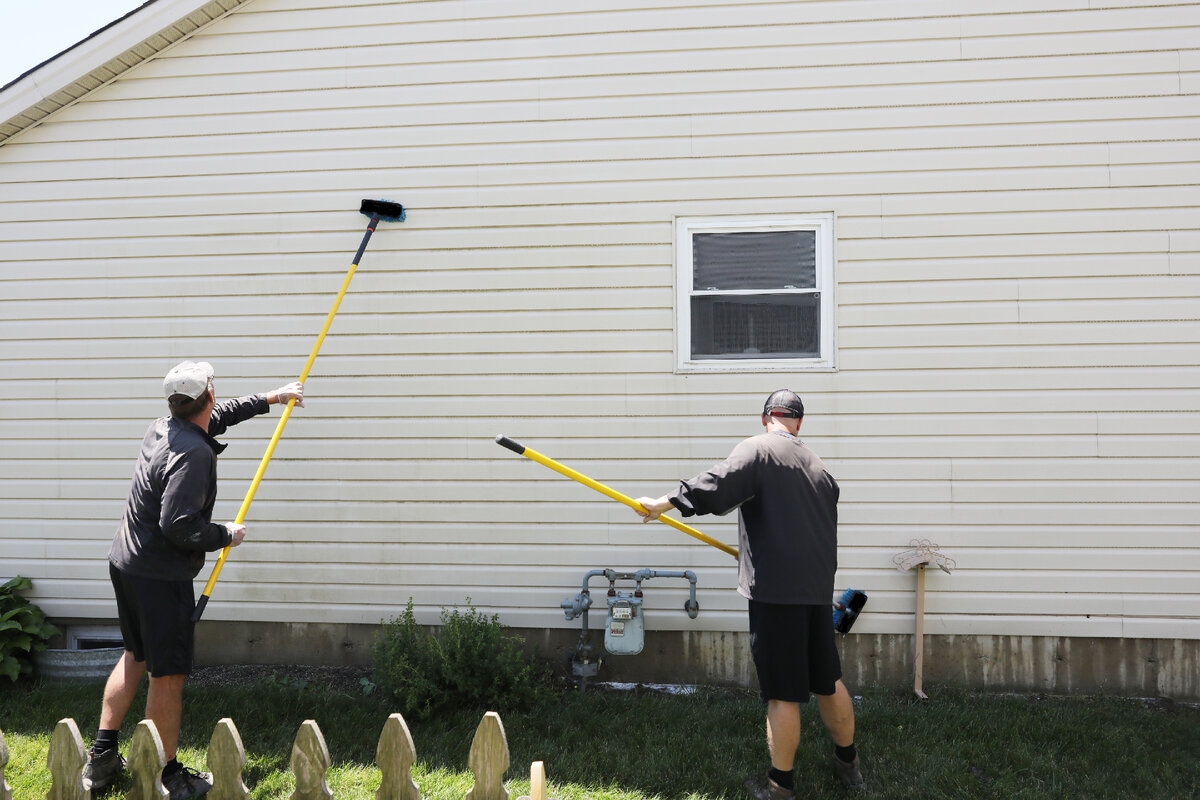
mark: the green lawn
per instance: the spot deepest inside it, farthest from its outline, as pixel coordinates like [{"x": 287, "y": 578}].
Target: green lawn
[{"x": 643, "y": 745}]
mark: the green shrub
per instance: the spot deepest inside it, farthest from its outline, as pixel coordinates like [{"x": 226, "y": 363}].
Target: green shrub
[
  {"x": 23, "y": 629},
  {"x": 474, "y": 662}
]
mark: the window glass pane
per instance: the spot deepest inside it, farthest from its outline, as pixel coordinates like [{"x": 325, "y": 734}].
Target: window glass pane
[
  {"x": 756, "y": 326},
  {"x": 754, "y": 260}
]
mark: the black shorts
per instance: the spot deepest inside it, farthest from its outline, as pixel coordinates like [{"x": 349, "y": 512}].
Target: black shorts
[
  {"x": 793, "y": 650},
  {"x": 156, "y": 621}
]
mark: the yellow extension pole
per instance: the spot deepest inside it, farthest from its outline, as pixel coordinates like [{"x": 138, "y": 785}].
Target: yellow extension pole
[
  {"x": 377, "y": 209},
  {"x": 546, "y": 461},
  {"x": 266, "y": 459}
]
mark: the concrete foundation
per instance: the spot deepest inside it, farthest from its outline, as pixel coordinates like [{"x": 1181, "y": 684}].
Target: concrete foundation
[{"x": 1167, "y": 668}]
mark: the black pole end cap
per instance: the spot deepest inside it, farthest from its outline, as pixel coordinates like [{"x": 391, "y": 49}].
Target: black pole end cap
[
  {"x": 516, "y": 447},
  {"x": 201, "y": 604}
]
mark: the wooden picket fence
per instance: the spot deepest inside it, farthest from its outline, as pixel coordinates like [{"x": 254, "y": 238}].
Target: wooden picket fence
[{"x": 310, "y": 762}]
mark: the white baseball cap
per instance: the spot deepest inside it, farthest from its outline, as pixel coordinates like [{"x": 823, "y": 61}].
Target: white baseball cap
[{"x": 189, "y": 378}]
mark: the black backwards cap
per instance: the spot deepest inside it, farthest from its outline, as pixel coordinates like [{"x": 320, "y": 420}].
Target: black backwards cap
[{"x": 784, "y": 403}]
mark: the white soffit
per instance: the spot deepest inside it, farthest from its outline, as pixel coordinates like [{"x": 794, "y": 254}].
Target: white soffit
[{"x": 101, "y": 57}]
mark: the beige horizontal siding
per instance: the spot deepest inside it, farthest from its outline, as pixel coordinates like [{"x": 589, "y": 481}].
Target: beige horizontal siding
[{"x": 1018, "y": 281}]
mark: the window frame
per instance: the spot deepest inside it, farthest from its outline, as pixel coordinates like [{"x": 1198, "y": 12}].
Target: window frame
[{"x": 821, "y": 224}]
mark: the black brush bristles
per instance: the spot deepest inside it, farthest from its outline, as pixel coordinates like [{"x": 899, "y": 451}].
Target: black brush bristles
[{"x": 382, "y": 209}]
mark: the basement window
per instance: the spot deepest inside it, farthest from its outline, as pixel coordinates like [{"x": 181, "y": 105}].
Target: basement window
[
  {"x": 93, "y": 637},
  {"x": 754, "y": 293}
]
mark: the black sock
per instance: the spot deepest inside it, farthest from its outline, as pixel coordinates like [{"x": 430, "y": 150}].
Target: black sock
[
  {"x": 845, "y": 754},
  {"x": 171, "y": 768},
  {"x": 105, "y": 740},
  {"x": 784, "y": 779}
]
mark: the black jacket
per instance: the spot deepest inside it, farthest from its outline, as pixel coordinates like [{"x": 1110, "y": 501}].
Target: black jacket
[
  {"x": 167, "y": 525},
  {"x": 787, "y": 517}
]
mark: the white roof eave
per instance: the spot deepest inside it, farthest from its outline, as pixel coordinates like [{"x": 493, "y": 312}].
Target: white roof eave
[{"x": 102, "y": 56}]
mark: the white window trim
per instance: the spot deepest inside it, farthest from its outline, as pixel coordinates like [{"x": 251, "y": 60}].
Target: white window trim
[{"x": 821, "y": 224}]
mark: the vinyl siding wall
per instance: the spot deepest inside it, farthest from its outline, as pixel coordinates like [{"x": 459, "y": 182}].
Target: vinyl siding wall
[{"x": 1016, "y": 193}]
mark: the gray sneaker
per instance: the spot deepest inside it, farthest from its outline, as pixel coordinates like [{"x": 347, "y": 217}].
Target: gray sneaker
[
  {"x": 187, "y": 783},
  {"x": 767, "y": 789},
  {"x": 102, "y": 769},
  {"x": 849, "y": 774}
]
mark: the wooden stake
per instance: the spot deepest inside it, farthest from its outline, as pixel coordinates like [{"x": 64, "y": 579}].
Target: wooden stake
[{"x": 919, "y": 643}]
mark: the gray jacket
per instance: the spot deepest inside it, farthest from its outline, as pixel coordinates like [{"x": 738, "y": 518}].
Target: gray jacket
[
  {"x": 787, "y": 517},
  {"x": 167, "y": 525}
]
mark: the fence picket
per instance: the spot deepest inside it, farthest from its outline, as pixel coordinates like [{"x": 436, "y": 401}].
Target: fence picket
[
  {"x": 395, "y": 755},
  {"x": 310, "y": 762},
  {"x": 537, "y": 782},
  {"x": 65, "y": 761},
  {"x": 5, "y": 789},
  {"x": 146, "y": 762},
  {"x": 489, "y": 759},
  {"x": 226, "y": 760}
]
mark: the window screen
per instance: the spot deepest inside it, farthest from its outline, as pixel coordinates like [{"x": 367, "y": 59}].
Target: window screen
[
  {"x": 757, "y": 260},
  {"x": 758, "y": 326}
]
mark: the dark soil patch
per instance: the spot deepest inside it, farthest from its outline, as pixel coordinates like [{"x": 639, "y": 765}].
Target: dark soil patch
[{"x": 336, "y": 678}]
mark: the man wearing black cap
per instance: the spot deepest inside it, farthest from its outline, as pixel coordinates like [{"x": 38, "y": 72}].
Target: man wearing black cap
[
  {"x": 787, "y": 540},
  {"x": 159, "y": 548}
]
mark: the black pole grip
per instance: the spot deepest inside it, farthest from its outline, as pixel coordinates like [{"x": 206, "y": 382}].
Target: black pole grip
[
  {"x": 516, "y": 447},
  {"x": 200, "y": 605},
  {"x": 366, "y": 238}
]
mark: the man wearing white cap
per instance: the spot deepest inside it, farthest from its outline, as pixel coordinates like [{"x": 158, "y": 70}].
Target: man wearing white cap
[{"x": 159, "y": 549}]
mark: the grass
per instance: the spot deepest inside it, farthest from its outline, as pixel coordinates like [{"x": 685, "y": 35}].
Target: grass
[{"x": 647, "y": 746}]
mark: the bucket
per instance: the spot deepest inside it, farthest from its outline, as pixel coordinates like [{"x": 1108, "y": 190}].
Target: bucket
[{"x": 60, "y": 666}]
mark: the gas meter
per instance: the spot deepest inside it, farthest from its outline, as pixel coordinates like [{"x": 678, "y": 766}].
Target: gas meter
[
  {"x": 625, "y": 627},
  {"x": 626, "y": 631}
]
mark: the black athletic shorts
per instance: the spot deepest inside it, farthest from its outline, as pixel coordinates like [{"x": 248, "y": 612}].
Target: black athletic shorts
[
  {"x": 156, "y": 621},
  {"x": 793, "y": 650}
]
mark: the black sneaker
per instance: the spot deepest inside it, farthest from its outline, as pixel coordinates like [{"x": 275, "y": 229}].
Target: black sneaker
[
  {"x": 102, "y": 769},
  {"x": 187, "y": 783},
  {"x": 849, "y": 774},
  {"x": 767, "y": 789}
]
